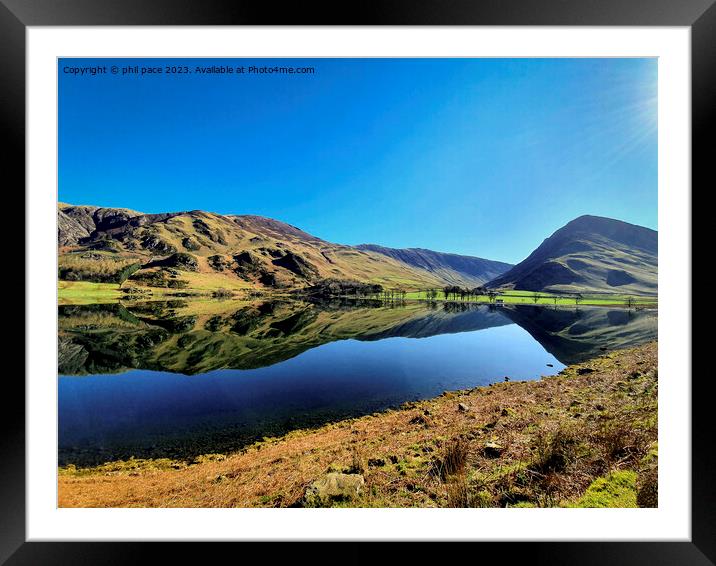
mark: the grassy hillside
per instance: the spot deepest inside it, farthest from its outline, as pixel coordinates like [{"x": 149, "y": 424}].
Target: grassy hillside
[
  {"x": 454, "y": 269},
  {"x": 584, "y": 438},
  {"x": 589, "y": 254},
  {"x": 86, "y": 292},
  {"x": 201, "y": 250},
  {"x": 198, "y": 336},
  {"x": 193, "y": 337},
  {"x": 198, "y": 251}
]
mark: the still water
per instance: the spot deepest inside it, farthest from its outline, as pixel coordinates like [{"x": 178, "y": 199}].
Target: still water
[{"x": 186, "y": 378}]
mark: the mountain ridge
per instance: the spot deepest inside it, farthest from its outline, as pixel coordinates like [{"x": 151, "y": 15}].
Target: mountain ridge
[
  {"x": 231, "y": 250},
  {"x": 589, "y": 253},
  {"x": 454, "y": 269},
  {"x": 203, "y": 250}
]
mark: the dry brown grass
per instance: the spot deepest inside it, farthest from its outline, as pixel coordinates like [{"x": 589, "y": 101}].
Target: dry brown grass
[
  {"x": 453, "y": 459},
  {"x": 556, "y": 436},
  {"x": 94, "y": 267}
]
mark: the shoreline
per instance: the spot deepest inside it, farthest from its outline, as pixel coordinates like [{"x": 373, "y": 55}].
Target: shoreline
[
  {"x": 71, "y": 293},
  {"x": 518, "y": 443}
]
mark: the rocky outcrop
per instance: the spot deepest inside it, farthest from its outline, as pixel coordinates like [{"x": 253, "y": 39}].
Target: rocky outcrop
[
  {"x": 334, "y": 488},
  {"x": 181, "y": 261},
  {"x": 190, "y": 244},
  {"x": 218, "y": 262},
  {"x": 69, "y": 230},
  {"x": 77, "y": 223},
  {"x": 154, "y": 243},
  {"x": 297, "y": 265},
  {"x": 247, "y": 265}
]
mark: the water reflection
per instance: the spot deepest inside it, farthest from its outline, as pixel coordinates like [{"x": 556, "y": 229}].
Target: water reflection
[
  {"x": 181, "y": 378},
  {"x": 193, "y": 337}
]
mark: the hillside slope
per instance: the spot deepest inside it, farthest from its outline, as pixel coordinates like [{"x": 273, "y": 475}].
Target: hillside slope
[
  {"x": 576, "y": 439},
  {"x": 197, "y": 249},
  {"x": 589, "y": 254},
  {"x": 454, "y": 269},
  {"x": 193, "y": 338}
]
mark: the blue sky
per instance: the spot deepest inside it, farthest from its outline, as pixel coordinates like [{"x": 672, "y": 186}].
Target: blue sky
[{"x": 483, "y": 157}]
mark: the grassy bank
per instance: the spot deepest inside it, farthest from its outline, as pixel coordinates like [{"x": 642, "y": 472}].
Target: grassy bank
[
  {"x": 90, "y": 292},
  {"x": 206, "y": 285},
  {"x": 86, "y": 292},
  {"x": 529, "y": 298},
  {"x": 587, "y": 437}
]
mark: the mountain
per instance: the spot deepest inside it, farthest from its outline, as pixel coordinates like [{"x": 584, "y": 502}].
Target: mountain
[
  {"x": 186, "y": 337},
  {"x": 454, "y": 269},
  {"x": 75, "y": 223},
  {"x": 181, "y": 336},
  {"x": 576, "y": 335},
  {"x": 203, "y": 250},
  {"x": 589, "y": 254}
]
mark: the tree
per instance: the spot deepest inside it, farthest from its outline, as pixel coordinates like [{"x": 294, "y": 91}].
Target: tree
[
  {"x": 536, "y": 297},
  {"x": 629, "y": 302},
  {"x": 578, "y": 298},
  {"x": 127, "y": 272}
]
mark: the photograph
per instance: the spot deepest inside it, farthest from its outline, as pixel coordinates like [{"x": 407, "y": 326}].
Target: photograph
[{"x": 378, "y": 282}]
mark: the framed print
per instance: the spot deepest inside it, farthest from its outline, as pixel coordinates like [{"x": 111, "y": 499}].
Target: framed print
[{"x": 418, "y": 274}]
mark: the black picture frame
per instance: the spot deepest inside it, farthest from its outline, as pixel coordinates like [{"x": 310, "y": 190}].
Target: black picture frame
[{"x": 17, "y": 15}]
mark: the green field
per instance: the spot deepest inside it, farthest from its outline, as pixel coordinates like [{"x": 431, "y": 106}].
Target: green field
[
  {"x": 529, "y": 298},
  {"x": 86, "y": 292}
]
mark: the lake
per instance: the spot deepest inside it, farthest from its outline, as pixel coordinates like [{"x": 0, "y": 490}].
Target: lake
[{"x": 184, "y": 377}]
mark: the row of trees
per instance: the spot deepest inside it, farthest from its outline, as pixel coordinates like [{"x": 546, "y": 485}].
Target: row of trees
[
  {"x": 392, "y": 295},
  {"x": 629, "y": 302},
  {"x": 334, "y": 287},
  {"x": 342, "y": 287},
  {"x": 456, "y": 293}
]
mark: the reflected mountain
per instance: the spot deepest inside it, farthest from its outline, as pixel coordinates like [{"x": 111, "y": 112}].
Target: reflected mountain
[
  {"x": 269, "y": 367},
  {"x": 194, "y": 337},
  {"x": 578, "y": 334}
]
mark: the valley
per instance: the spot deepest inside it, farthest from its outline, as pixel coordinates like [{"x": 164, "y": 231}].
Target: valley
[{"x": 119, "y": 252}]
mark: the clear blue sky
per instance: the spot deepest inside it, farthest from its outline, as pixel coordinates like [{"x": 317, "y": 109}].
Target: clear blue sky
[{"x": 483, "y": 157}]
